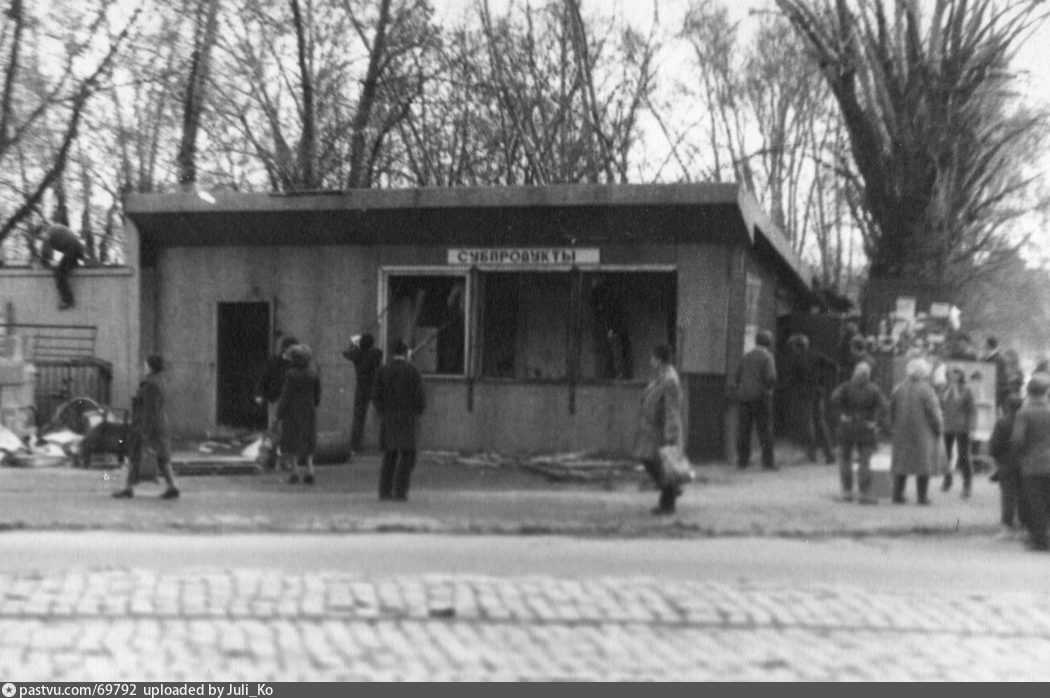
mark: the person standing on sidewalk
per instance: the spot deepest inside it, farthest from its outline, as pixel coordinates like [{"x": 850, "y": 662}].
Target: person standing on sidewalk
[
  {"x": 1031, "y": 442},
  {"x": 994, "y": 356},
  {"x": 367, "y": 359},
  {"x": 297, "y": 412},
  {"x": 753, "y": 389},
  {"x": 149, "y": 430},
  {"x": 810, "y": 368},
  {"x": 59, "y": 238},
  {"x": 1008, "y": 466},
  {"x": 660, "y": 424},
  {"x": 400, "y": 401},
  {"x": 861, "y": 407},
  {"x": 917, "y": 423},
  {"x": 268, "y": 392},
  {"x": 960, "y": 416}
]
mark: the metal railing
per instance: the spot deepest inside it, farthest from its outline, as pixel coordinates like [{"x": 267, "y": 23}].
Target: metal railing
[{"x": 54, "y": 342}]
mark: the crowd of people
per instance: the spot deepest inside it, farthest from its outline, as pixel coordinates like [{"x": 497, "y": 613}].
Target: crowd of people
[
  {"x": 930, "y": 417},
  {"x": 291, "y": 390},
  {"x": 930, "y": 422}
]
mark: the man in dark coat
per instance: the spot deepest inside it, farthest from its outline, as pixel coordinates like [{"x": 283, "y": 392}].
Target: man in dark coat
[
  {"x": 810, "y": 369},
  {"x": 149, "y": 430},
  {"x": 59, "y": 238},
  {"x": 993, "y": 355},
  {"x": 367, "y": 359},
  {"x": 400, "y": 401},
  {"x": 1031, "y": 442},
  {"x": 268, "y": 391},
  {"x": 755, "y": 377}
]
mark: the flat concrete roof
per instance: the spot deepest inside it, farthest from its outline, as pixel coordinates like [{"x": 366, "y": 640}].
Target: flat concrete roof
[{"x": 567, "y": 214}]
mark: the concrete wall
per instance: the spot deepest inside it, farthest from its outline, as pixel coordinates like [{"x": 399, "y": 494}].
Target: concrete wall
[
  {"x": 705, "y": 281},
  {"x": 322, "y": 295},
  {"x": 530, "y": 418},
  {"x": 107, "y": 298}
]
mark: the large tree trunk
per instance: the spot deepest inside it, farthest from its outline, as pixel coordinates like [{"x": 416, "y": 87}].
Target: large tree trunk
[
  {"x": 196, "y": 85},
  {"x": 366, "y": 102}
]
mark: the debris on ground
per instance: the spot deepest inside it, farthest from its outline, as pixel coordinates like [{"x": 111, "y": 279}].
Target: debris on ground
[
  {"x": 580, "y": 467},
  {"x": 230, "y": 435},
  {"x": 9, "y": 441},
  {"x": 253, "y": 449},
  {"x": 576, "y": 466},
  {"x": 43, "y": 455},
  {"x": 65, "y": 439},
  {"x": 228, "y": 442}
]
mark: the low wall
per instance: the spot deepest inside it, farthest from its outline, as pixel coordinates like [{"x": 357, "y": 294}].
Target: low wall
[{"x": 105, "y": 298}]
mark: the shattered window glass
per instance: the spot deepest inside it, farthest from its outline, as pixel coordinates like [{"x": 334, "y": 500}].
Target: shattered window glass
[
  {"x": 525, "y": 325},
  {"x": 624, "y": 316},
  {"x": 428, "y": 312}
]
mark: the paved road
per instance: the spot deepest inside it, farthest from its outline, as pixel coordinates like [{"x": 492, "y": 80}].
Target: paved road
[{"x": 272, "y": 607}]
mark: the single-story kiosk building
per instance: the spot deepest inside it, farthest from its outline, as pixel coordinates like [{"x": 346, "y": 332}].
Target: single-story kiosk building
[{"x": 531, "y": 311}]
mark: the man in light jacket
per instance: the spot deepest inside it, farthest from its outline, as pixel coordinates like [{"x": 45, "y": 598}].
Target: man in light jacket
[{"x": 753, "y": 389}]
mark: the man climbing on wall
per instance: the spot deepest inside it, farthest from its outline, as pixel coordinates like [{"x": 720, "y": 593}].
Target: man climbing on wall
[{"x": 59, "y": 238}]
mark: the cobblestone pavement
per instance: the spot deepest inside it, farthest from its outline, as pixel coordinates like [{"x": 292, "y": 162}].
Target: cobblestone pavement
[{"x": 242, "y": 625}]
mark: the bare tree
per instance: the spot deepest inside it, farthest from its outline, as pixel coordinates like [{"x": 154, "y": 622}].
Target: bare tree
[
  {"x": 766, "y": 120},
  {"x": 205, "y": 29},
  {"x": 564, "y": 93},
  {"x": 47, "y": 105},
  {"x": 316, "y": 87},
  {"x": 933, "y": 127}
]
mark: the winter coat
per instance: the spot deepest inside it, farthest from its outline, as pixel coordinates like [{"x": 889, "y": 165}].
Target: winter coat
[
  {"x": 366, "y": 366},
  {"x": 808, "y": 370},
  {"x": 915, "y": 414},
  {"x": 660, "y": 419},
  {"x": 62, "y": 240},
  {"x": 959, "y": 409},
  {"x": 400, "y": 401},
  {"x": 756, "y": 375},
  {"x": 1000, "y": 447},
  {"x": 1031, "y": 437},
  {"x": 148, "y": 419},
  {"x": 297, "y": 411},
  {"x": 269, "y": 386},
  {"x": 1002, "y": 389},
  {"x": 860, "y": 405}
]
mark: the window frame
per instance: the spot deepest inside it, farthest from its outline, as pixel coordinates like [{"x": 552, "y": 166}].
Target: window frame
[
  {"x": 387, "y": 272},
  {"x": 472, "y": 370}
]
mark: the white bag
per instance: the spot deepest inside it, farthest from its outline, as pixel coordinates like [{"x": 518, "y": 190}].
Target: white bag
[{"x": 674, "y": 466}]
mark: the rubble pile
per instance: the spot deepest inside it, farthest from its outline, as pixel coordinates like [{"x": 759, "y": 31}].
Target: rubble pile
[
  {"x": 560, "y": 467},
  {"x": 580, "y": 467}
]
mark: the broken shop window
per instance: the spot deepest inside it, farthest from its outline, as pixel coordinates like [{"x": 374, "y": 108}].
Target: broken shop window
[
  {"x": 428, "y": 312},
  {"x": 525, "y": 325},
  {"x": 624, "y": 316}
]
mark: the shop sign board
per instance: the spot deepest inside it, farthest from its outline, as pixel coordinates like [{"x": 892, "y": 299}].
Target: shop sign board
[{"x": 524, "y": 256}]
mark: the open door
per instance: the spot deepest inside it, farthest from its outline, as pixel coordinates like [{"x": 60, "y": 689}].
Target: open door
[{"x": 243, "y": 346}]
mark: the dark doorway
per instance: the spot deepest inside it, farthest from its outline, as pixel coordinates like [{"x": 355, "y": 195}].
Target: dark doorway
[{"x": 244, "y": 332}]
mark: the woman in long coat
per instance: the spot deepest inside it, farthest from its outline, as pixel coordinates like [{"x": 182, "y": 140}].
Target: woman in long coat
[
  {"x": 660, "y": 424},
  {"x": 915, "y": 413},
  {"x": 297, "y": 412},
  {"x": 149, "y": 430}
]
